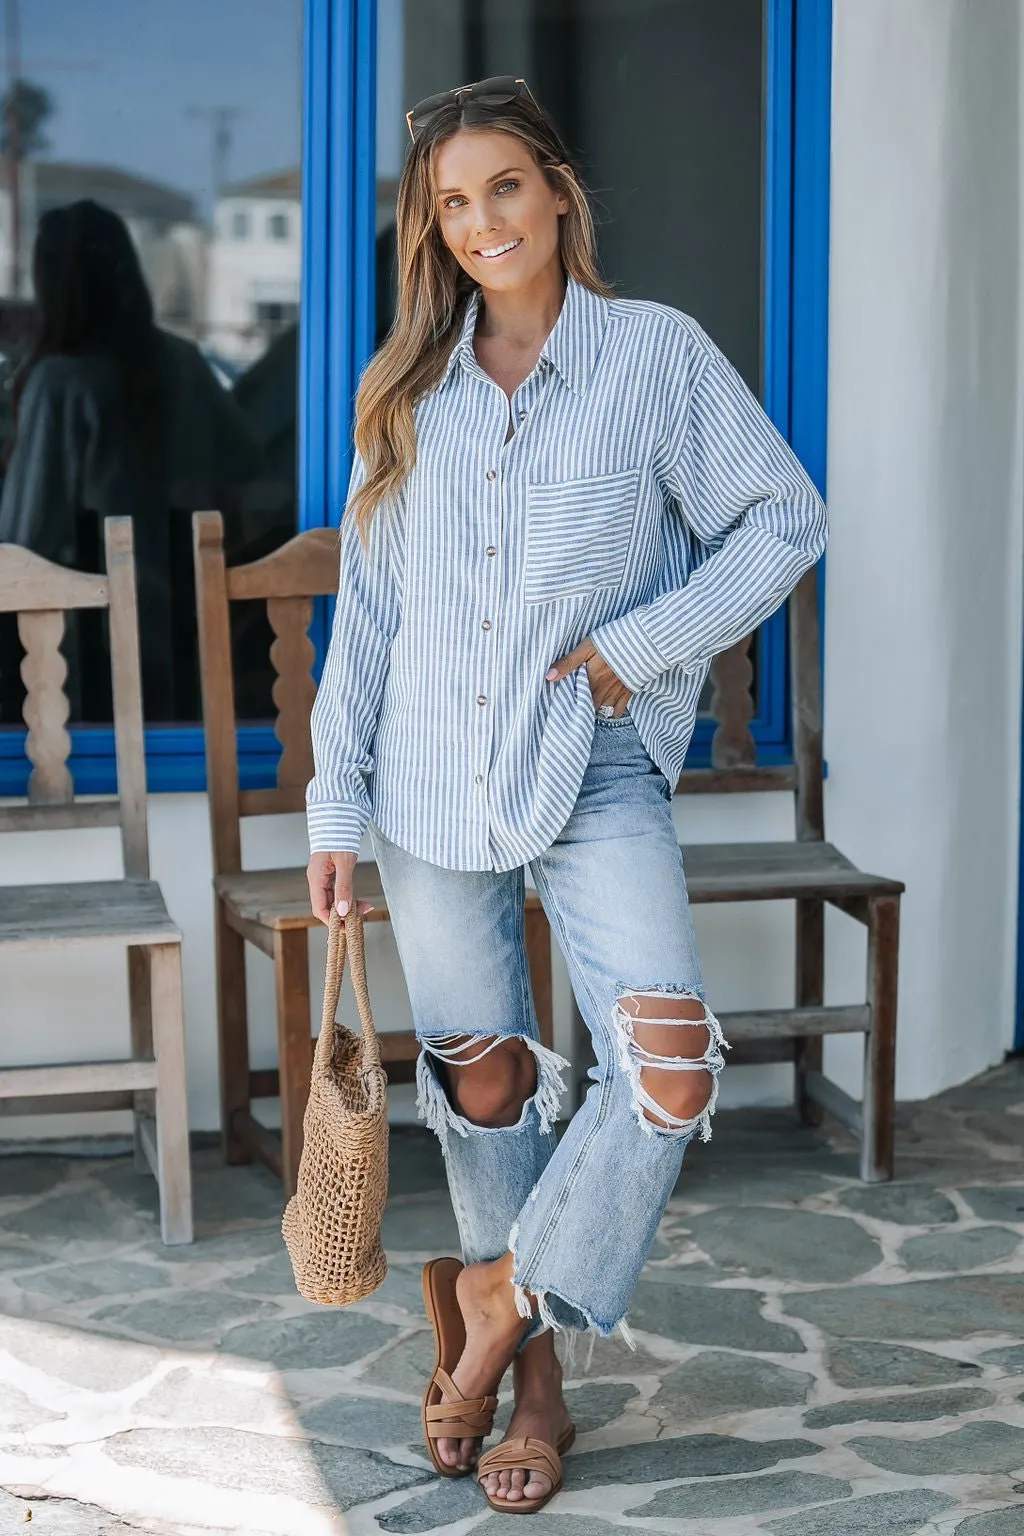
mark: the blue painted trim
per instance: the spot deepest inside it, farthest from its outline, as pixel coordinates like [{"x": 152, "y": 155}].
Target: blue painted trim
[
  {"x": 353, "y": 216},
  {"x": 778, "y": 210},
  {"x": 341, "y": 207},
  {"x": 174, "y": 759},
  {"x": 364, "y": 175},
  {"x": 812, "y": 100},
  {"x": 316, "y": 163},
  {"x": 812, "y": 132}
]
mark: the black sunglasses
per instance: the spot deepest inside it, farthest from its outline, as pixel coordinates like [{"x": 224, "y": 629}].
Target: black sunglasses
[{"x": 498, "y": 91}]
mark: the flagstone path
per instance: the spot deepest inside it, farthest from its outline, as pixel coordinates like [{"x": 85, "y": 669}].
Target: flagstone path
[{"x": 816, "y": 1357}]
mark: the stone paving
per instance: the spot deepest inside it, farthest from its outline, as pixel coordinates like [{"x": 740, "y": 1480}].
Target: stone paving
[{"x": 815, "y": 1357}]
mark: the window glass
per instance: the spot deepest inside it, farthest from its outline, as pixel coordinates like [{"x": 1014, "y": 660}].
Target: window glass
[
  {"x": 165, "y": 140},
  {"x": 662, "y": 102}
]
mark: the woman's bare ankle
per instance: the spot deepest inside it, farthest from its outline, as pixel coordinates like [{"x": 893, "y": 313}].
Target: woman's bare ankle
[
  {"x": 537, "y": 1370},
  {"x": 486, "y": 1294}
]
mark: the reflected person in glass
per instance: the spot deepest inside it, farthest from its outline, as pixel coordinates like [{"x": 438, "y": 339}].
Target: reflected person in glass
[
  {"x": 114, "y": 415},
  {"x": 563, "y": 505}
]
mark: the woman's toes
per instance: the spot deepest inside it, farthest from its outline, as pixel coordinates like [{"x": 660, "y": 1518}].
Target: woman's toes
[
  {"x": 448, "y": 1450},
  {"x": 516, "y": 1485},
  {"x": 467, "y": 1456},
  {"x": 536, "y": 1486}
]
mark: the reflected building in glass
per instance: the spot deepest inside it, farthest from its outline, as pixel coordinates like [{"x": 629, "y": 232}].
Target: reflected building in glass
[{"x": 184, "y": 122}]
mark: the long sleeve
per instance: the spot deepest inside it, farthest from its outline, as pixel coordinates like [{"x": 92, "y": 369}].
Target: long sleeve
[
  {"x": 347, "y": 707},
  {"x": 744, "y": 494}
]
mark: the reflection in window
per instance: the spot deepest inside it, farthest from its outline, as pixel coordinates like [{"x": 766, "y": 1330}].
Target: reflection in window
[
  {"x": 662, "y": 101},
  {"x": 148, "y": 314}
]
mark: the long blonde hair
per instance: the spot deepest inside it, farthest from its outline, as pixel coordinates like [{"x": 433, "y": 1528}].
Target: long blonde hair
[{"x": 433, "y": 290}]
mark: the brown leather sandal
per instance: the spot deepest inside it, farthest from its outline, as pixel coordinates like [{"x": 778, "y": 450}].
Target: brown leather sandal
[
  {"x": 460, "y": 1418},
  {"x": 535, "y": 1456}
]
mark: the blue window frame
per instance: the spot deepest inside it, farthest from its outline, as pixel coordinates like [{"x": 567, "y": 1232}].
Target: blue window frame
[{"x": 336, "y": 333}]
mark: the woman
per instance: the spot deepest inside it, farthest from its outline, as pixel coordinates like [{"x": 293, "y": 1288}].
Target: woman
[
  {"x": 114, "y": 416},
  {"x": 563, "y": 505}
]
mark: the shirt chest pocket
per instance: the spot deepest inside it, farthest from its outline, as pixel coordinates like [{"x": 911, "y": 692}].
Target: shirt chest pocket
[{"x": 577, "y": 535}]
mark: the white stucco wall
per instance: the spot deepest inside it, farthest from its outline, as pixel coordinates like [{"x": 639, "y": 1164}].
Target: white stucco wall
[
  {"x": 923, "y": 641},
  {"x": 923, "y": 607}
]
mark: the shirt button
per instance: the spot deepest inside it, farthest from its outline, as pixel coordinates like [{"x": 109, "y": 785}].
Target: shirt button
[
  {"x": 481, "y": 698},
  {"x": 486, "y": 624},
  {"x": 491, "y": 549},
  {"x": 492, "y": 474},
  {"x": 522, "y": 415},
  {"x": 478, "y": 779}
]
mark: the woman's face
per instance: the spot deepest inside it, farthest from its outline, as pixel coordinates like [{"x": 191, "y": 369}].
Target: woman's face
[{"x": 497, "y": 211}]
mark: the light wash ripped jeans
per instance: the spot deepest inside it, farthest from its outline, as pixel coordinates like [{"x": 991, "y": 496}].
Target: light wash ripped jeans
[{"x": 579, "y": 1215}]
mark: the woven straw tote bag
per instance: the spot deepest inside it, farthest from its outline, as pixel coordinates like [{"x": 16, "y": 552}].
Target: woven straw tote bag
[{"x": 332, "y": 1223}]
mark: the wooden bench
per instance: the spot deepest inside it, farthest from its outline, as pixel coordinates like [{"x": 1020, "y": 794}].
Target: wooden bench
[
  {"x": 809, "y": 872},
  {"x": 128, "y": 913},
  {"x": 269, "y": 908}
]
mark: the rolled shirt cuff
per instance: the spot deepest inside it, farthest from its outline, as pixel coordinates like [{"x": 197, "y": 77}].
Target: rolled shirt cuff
[
  {"x": 628, "y": 649},
  {"x": 335, "y": 827}
]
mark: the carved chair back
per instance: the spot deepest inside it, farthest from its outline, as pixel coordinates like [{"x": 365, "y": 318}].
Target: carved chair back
[
  {"x": 41, "y": 594},
  {"x": 734, "y": 766},
  {"x": 288, "y": 581}
]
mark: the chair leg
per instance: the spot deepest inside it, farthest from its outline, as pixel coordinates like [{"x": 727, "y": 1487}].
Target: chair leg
[
  {"x": 879, "y": 1104},
  {"x": 294, "y": 1045},
  {"x": 140, "y": 1013},
  {"x": 810, "y": 993},
  {"x": 173, "y": 1170},
  {"x": 538, "y": 954},
  {"x": 232, "y": 1036}
]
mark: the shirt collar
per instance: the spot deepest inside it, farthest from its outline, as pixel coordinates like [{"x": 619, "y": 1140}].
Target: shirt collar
[{"x": 571, "y": 348}]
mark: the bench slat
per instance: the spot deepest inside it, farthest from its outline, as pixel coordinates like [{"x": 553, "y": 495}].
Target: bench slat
[
  {"x": 83, "y": 1077},
  {"x": 120, "y": 911},
  {"x": 279, "y": 898},
  {"x": 776, "y": 871},
  {"x": 772, "y": 1023}
]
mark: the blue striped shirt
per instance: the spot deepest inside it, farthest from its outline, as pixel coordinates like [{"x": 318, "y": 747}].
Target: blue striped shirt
[{"x": 644, "y": 500}]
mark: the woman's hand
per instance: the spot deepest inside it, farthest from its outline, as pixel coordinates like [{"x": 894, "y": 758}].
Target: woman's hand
[
  {"x": 605, "y": 687},
  {"x": 330, "y": 883}
]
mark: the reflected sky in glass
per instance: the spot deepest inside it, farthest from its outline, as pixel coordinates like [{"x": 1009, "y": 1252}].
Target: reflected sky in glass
[{"x": 124, "y": 76}]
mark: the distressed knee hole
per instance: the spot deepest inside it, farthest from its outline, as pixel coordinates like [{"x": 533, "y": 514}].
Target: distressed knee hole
[
  {"x": 487, "y": 1078},
  {"x": 671, "y": 1047},
  {"x": 484, "y": 1082}
]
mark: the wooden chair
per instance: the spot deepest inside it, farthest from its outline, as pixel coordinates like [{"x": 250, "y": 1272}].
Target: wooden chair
[
  {"x": 129, "y": 913},
  {"x": 270, "y": 908},
  {"x": 810, "y": 872}
]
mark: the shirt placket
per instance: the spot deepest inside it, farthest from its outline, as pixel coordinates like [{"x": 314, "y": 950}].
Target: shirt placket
[
  {"x": 494, "y": 481},
  {"x": 485, "y": 619}
]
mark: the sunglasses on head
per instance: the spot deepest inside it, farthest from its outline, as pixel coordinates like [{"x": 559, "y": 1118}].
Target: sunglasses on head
[{"x": 498, "y": 91}]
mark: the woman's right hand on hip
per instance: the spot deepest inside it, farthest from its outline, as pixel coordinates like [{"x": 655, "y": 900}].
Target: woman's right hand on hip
[{"x": 330, "y": 882}]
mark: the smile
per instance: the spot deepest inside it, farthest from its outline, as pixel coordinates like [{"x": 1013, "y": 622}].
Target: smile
[{"x": 499, "y": 250}]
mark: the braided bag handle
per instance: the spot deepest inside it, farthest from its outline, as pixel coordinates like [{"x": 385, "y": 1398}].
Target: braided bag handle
[{"x": 342, "y": 940}]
